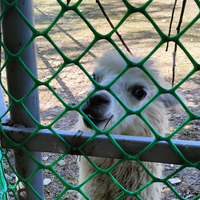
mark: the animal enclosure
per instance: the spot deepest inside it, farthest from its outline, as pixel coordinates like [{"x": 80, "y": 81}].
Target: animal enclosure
[{"x": 68, "y": 35}]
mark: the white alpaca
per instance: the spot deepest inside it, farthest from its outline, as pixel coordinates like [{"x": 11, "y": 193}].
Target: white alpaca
[{"x": 135, "y": 89}]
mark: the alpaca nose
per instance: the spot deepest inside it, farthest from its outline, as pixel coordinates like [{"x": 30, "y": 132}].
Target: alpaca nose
[
  {"x": 99, "y": 99},
  {"x": 97, "y": 105}
]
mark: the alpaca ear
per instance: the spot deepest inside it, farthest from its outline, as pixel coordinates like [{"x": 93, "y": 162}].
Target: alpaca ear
[{"x": 170, "y": 102}]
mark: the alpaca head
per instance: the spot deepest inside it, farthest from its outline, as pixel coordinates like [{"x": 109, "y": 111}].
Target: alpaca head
[{"x": 134, "y": 88}]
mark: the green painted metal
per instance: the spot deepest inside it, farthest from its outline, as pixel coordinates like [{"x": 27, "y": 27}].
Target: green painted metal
[{"x": 97, "y": 36}]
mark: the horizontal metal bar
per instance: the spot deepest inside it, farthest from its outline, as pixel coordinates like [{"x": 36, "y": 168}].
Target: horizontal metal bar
[{"x": 101, "y": 146}]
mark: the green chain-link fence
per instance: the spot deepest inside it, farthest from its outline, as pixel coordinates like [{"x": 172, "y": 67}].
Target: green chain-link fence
[{"x": 64, "y": 8}]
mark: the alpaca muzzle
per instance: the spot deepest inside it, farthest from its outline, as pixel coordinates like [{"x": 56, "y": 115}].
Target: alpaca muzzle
[{"x": 96, "y": 108}]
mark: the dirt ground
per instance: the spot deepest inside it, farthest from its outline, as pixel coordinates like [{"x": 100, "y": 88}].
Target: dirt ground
[{"x": 72, "y": 36}]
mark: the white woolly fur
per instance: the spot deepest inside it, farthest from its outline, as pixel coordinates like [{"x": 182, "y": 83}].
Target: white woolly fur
[{"x": 129, "y": 173}]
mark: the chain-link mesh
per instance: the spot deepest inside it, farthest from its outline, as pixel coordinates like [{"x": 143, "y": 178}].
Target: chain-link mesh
[{"x": 64, "y": 8}]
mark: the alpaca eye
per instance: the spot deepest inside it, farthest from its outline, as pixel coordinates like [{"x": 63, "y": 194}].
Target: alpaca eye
[
  {"x": 139, "y": 93},
  {"x": 95, "y": 77}
]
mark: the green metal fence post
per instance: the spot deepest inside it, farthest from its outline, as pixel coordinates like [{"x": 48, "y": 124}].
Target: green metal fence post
[{"x": 16, "y": 34}]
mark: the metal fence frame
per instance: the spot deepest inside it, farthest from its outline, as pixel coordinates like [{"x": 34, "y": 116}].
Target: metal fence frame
[{"x": 19, "y": 83}]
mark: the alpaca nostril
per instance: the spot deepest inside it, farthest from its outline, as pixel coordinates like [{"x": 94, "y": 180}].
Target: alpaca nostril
[
  {"x": 99, "y": 99},
  {"x": 97, "y": 105}
]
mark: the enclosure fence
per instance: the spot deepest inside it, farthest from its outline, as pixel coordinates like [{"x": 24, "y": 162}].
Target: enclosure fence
[{"x": 20, "y": 106}]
